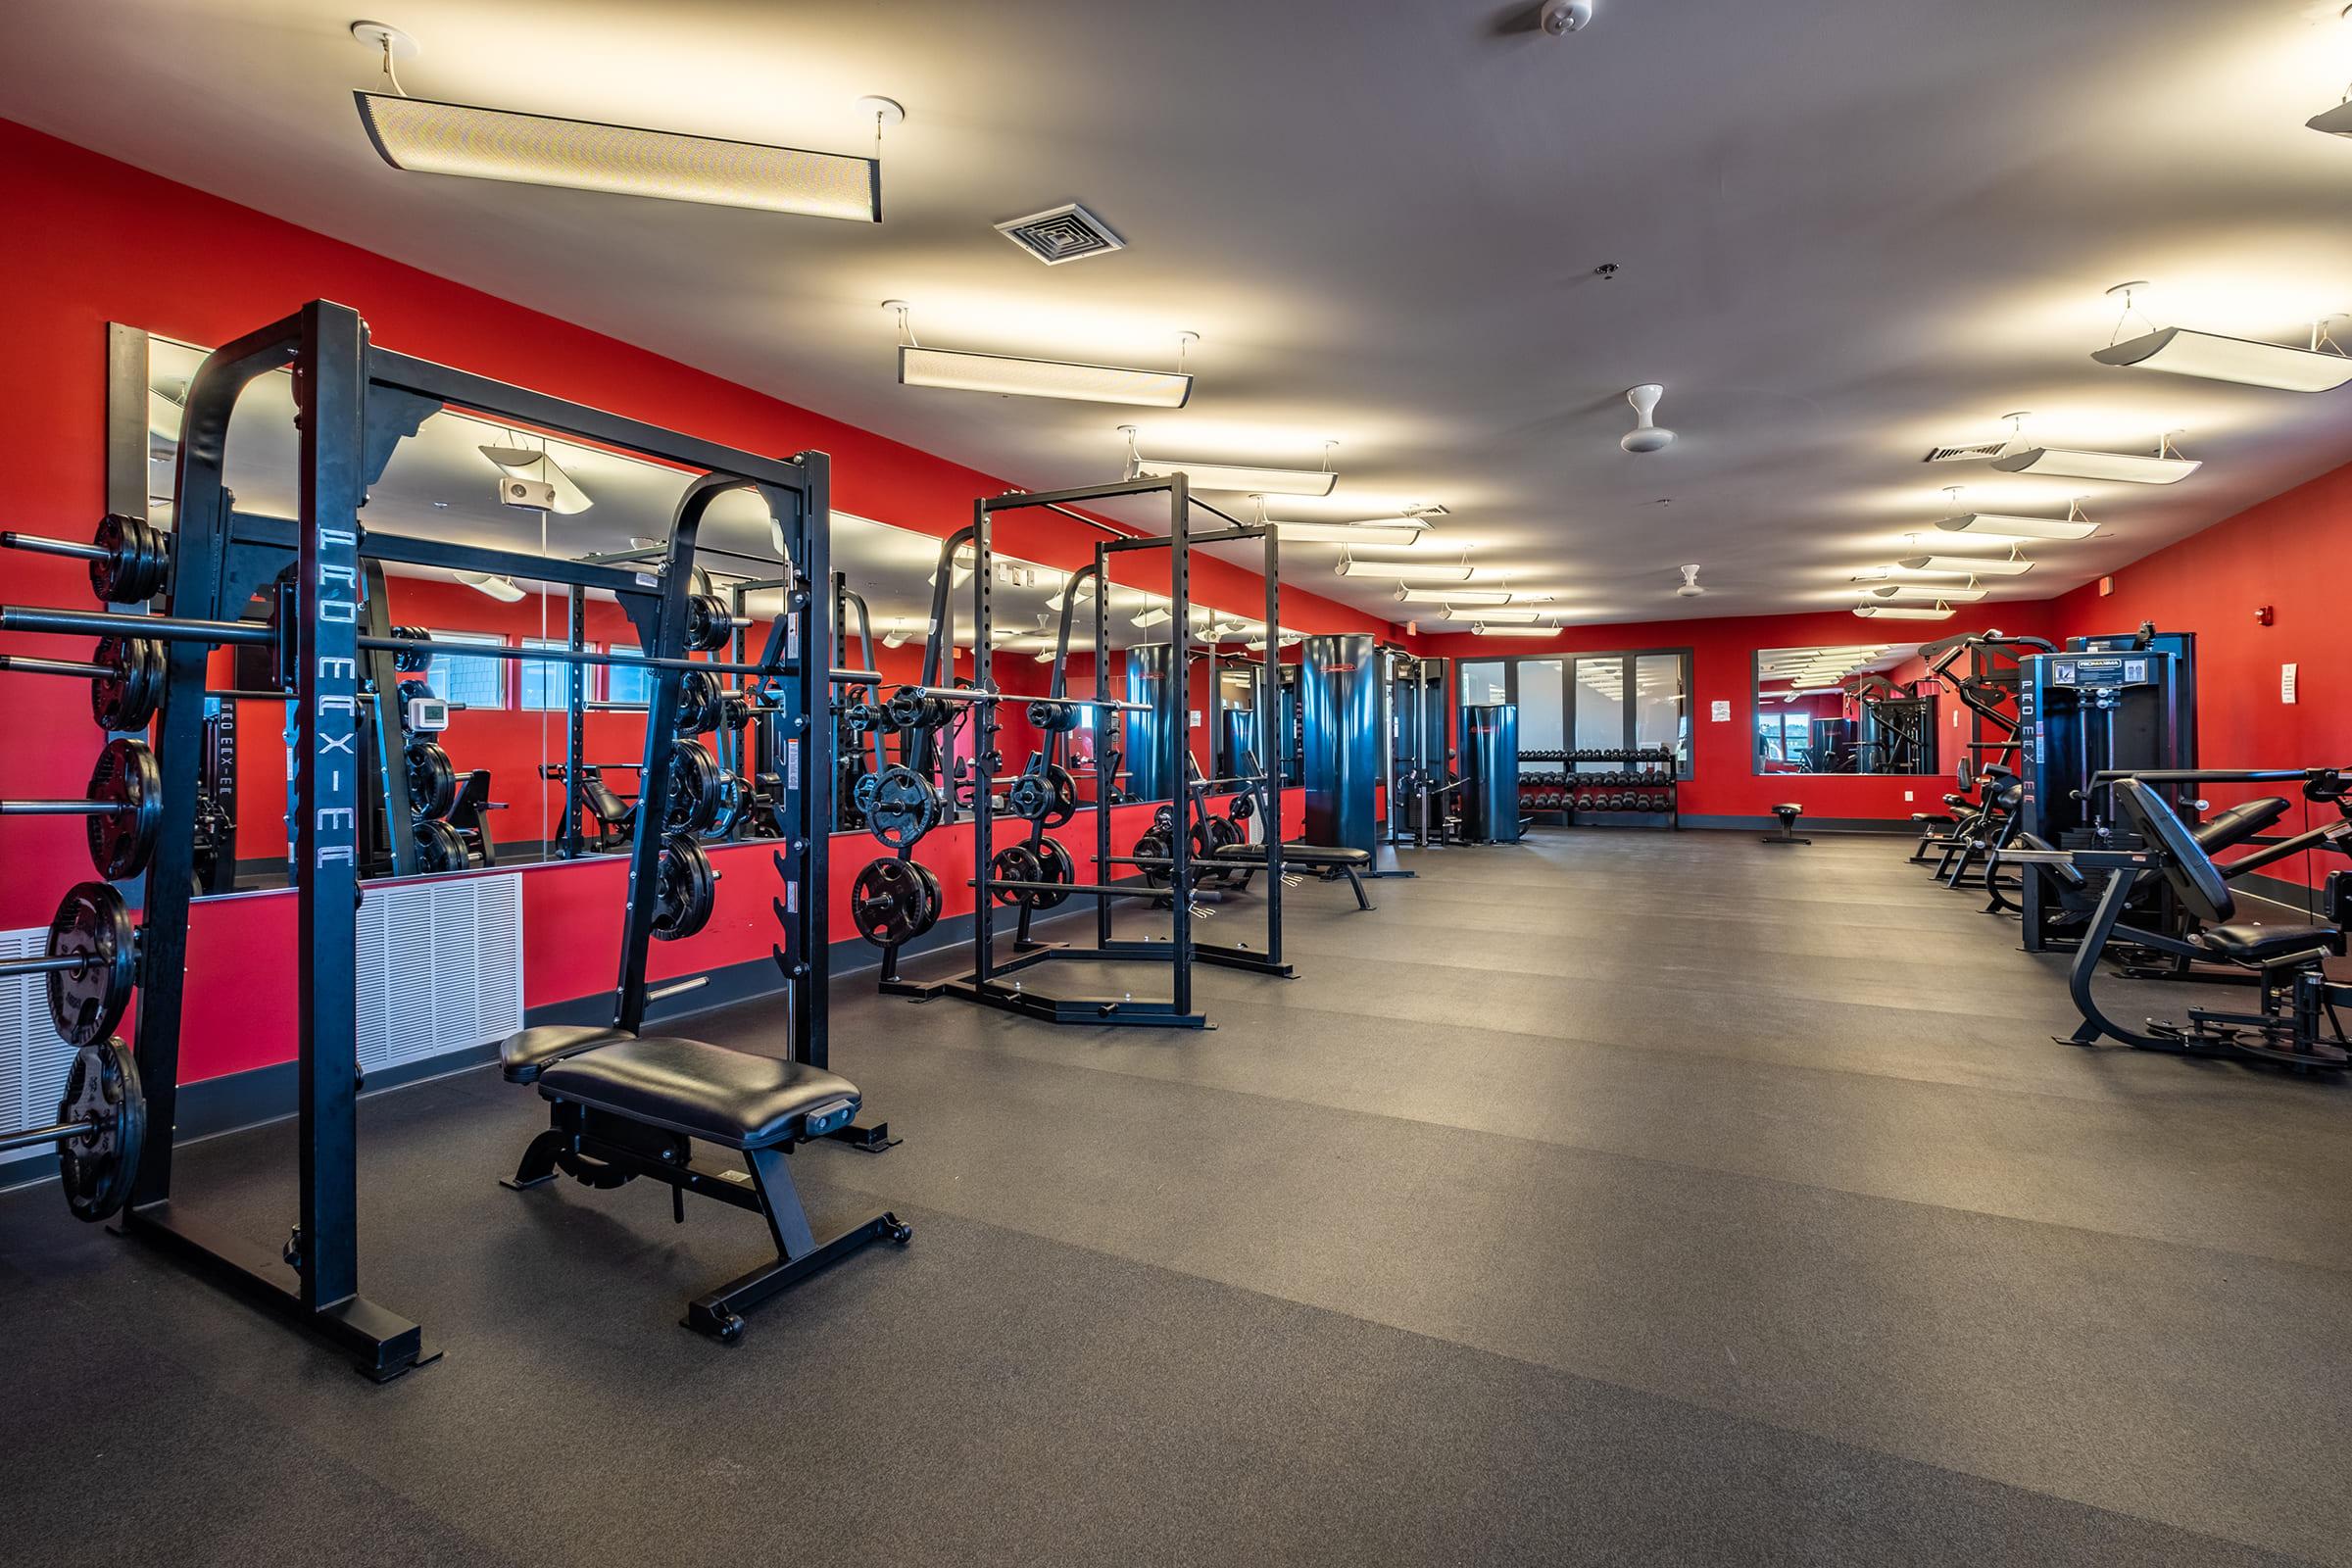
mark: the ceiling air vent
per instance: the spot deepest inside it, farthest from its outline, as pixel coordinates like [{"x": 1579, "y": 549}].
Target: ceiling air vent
[
  {"x": 1981, "y": 448},
  {"x": 1062, "y": 234}
]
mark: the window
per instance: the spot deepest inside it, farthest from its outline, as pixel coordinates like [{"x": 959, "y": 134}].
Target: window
[
  {"x": 463, "y": 682},
  {"x": 547, "y": 683},
  {"x": 1484, "y": 682},
  {"x": 1541, "y": 711},
  {"x": 627, "y": 683},
  {"x": 1785, "y": 737}
]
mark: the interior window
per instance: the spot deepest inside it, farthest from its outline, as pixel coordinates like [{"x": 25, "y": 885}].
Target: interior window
[{"x": 463, "y": 682}]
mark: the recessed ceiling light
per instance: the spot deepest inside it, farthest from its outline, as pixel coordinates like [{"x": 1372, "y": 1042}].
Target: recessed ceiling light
[{"x": 1243, "y": 478}]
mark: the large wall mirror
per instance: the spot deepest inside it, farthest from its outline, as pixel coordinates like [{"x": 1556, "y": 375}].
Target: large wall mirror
[
  {"x": 1866, "y": 708},
  {"x": 513, "y": 798}
]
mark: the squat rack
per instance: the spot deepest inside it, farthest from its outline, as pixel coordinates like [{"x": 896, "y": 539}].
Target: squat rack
[{"x": 355, "y": 403}]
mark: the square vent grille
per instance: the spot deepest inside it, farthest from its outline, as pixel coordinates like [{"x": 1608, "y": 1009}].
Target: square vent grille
[
  {"x": 1068, "y": 233},
  {"x": 440, "y": 967},
  {"x": 1981, "y": 449}
]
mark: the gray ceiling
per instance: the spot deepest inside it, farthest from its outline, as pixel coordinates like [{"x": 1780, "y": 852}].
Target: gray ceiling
[{"x": 1845, "y": 230}]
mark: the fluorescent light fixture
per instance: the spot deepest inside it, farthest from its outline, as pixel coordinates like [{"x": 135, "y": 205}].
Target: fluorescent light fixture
[
  {"x": 1288, "y": 639},
  {"x": 1353, "y": 535},
  {"x": 2117, "y": 467},
  {"x": 1902, "y": 613},
  {"x": 535, "y": 465},
  {"x": 1902, "y": 573},
  {"x": 1514, "y": 631},
  {"x": 1245, "y": 478},
  {"x": 2074, "y": 525},
  {"x": 1045, "y": 655},
  {"x": 1015, "y": 375},
  {"x": 2245, "y": 361},
  {"x": 965, "y": 555},
  {"x": 1964, "y": 566},
  {"x": 1405, "y": 571},
  {"x": 1156, "y": 615},
  {"x": 1467, "y": 596},
  {"x": 502, "y": 589},
  {"x": 426, "y": 136},
  {"x": 2336, "y": 122},
  {"x": 1498, "y": 614},
  {"x": 895, "y": 637},
  {"x": 1086, "y": 590},
  {"x": 1905, "y": 593}
]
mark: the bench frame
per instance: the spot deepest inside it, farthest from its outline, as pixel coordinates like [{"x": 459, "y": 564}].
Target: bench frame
[{"x": 601, "y": 1148}]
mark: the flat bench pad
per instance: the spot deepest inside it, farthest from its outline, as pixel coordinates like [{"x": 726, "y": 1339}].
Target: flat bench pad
[
  {"x": 1331, "y": 855},
  {"x": 521, "y": 1057},
  {"x": 728, "y": 1097}
]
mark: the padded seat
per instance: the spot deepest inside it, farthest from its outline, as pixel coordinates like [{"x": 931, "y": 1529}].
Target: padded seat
[
  {"x": 2238, "y": 823},
  {"x": 521, "y": 1057},
  {"x": 2251, "y": 942},
  {"x": 722, "y": 1096},
  {"x": 1337, "y": 856}
]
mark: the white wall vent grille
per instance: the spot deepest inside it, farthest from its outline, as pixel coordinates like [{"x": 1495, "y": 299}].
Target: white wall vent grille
[
  {"x": 34, "y": 1058},
  {"x": 440, "y": 967}
]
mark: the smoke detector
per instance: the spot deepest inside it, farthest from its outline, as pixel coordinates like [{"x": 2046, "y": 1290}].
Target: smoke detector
[
  {"x": 1647, "y": 435},
  {"x": 1689, "y": 588}
]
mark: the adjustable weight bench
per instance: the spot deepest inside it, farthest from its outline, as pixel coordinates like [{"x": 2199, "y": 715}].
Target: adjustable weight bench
[{"x": 620, "y": 1107}]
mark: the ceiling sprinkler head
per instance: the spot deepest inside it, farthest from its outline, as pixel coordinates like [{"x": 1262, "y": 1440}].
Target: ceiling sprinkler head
[
  {"x": 1689, "y": 588},
  {"x": 1647, "y": 435}
]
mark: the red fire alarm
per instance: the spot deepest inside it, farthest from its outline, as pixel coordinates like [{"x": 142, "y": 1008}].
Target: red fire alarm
[{"x": 2264, "y": 615}]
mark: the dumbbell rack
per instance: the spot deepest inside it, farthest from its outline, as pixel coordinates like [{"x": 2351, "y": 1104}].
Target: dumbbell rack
[{"x": 1645, "y": 784}]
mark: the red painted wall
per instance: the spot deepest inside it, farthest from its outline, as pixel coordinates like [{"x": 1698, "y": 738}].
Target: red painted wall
[
  {"x": 99, "y": 241},
  {"x": 2289, "y": 554}
]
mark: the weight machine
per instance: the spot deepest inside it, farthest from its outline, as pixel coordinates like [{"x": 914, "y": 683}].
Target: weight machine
[{"x": 357, "y": 403}]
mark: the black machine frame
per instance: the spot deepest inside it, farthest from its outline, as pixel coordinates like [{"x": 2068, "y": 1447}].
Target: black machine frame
[{"x": 356, "y": 403}]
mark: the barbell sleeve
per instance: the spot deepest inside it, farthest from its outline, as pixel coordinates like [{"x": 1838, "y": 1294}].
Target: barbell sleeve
[
  {"x": 54, "y": 1133},
  {"x": 66, "y": 963},
  {"x": 76, "y": 668},
  {"x": 58, "y": 809},
  {"x": 42, "y": 544},
  {"x": 104, "y": 624}
]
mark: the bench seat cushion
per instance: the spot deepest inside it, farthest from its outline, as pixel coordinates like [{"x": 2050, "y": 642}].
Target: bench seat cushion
[
  {"x": 1330, "y": 854},
  {"x": 521, "y": 1057},
  {"x": 728, "y": 1097},
  {"x": 2253, "y": 942},
  {"x": 2231, "y": 827}
]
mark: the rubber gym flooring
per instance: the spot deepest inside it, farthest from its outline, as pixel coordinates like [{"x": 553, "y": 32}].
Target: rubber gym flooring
[{"x": 1616, "y": 1197}]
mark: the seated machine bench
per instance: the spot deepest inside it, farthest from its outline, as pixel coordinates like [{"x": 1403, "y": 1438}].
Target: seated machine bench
[{"x": 623, "y": 1108}]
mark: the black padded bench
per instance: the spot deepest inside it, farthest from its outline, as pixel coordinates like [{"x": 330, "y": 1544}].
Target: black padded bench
[
  {"x": 1329, "y": 860},
  {"x": 623, "y": 1108}
]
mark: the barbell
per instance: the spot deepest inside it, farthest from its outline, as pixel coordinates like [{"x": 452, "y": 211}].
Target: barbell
[{"x": 100, "y": 1128}]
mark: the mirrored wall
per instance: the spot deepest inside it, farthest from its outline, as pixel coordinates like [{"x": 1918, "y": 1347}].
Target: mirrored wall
[{"x": 1865, "y": 707}]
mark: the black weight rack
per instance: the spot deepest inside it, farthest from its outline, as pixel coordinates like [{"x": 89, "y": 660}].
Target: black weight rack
[{"x": 1621, "y": 785}]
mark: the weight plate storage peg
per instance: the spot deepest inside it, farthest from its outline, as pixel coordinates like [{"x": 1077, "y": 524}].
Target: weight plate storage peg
[
  {"x": 98, "y": 1165},
  {"x": 686, "y": 888}
]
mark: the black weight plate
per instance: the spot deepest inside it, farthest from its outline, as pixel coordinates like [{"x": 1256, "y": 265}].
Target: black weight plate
[
  {"x": 1065, "y": 803},
  {"x": 700, "y": 701},
  {"x": 692, "y": 805},
  {"x": 1163, "y": 819},
  {"x": 709, "y": 624},
  {"x": 97, "y": 1168},
  {"x": 432, "y": 780},
  {"x": 686, "y": 890},
  {"x": 127, "y": 577},
  {"x": 1016, "y": 863},
  {"x": 410, "y": 661},
  {"x": 92, "y": 924},
  {"x": 1243, "y": 807},
  {"x": 126, "y": 778},
  {"x": 1155, "y": 846},
  {"x": 862, "y": 793},
  {"x": 1029, "y": 796},
  {"x": 1054, "y": 862},
  {"x": 894, "y": 901},
  {"x": 439, "y": 848},
  {"x": 124, "y": 701},
  {"x": 910, "y": 709},
  {"x": 1053, "y": 716},
  {"x": 905, "y": 807}
]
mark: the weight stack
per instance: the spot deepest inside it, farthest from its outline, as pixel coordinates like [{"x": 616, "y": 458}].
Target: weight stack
[
  {"x": 1490, "y": 774},
  {"x": 1340, "y": 706}
]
